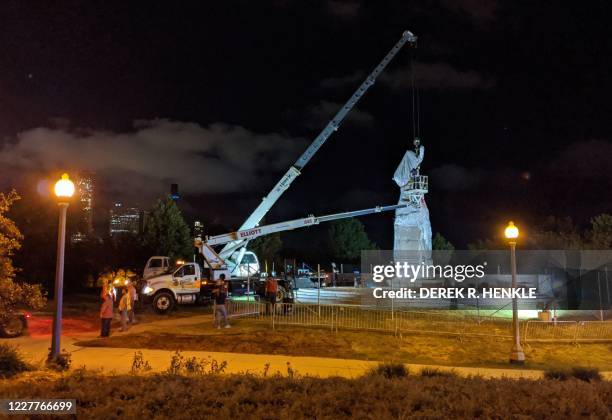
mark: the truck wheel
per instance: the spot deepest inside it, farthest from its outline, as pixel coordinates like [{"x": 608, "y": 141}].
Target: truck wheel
[
  {"x": 163, "y": 302},
  {"x": 12, "y": 328},
  {"x": 281, "y": 294}
]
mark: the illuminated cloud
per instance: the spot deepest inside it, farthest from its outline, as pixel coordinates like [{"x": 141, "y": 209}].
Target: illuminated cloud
[{"x": 216, "y": 159}]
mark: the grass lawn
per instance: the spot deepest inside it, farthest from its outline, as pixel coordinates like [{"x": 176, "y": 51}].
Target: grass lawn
[{"x": 252, "y": 336}]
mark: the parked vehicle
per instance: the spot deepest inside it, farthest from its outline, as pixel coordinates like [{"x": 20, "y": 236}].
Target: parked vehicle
[
  {"x": 183, "y": 284},
  {"x": 15, "y": 326}
]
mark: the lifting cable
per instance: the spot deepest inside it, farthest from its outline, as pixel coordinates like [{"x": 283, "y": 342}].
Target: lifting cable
[{"x": 416, "y": 101}]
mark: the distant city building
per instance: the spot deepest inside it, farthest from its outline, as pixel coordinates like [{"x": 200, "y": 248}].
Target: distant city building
[
  {"x": 174, "y": 192},
  {"x": 84, "y": 183},
  {"x": 125, "y": 220},
  {"x": 198, "y": 229}
]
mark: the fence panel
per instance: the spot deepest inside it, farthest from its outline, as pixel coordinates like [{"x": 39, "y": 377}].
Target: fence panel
[
  {"x": 242, "y": 308},
  {"x": 298, "y": 314},
  {"x": 594, "y": 331},
  {"x": 551, "y": 331}
]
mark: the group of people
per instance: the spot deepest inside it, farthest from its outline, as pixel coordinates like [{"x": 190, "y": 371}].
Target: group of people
[
  {"x": 126, "y": 307},
  {"x": 220, "y": 294},
  {"x": 129, "y": 296}
]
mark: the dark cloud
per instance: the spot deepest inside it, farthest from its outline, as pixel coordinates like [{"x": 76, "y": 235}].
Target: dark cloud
[
  {"x": 346, "y": 9},
  {"x": 319, "y": 115},
  {"x": 436, "y": 76},
  {"x": 353, "y": 79},
  {"x": 583, "y": 160},
  {"x": 454, "y": 178},
  {"x": 219, "y": 158},
  {"x": 428, "y": 76},
  {"x": 476, "y": 9}
]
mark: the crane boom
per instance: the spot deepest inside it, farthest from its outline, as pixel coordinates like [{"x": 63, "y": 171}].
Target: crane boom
[
  {"x": 267, "y": 202},
  {"x": 249, "y": 234}
]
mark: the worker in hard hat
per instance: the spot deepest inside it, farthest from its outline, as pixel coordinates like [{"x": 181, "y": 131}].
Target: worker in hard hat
[{"x": 125, "y": 305}]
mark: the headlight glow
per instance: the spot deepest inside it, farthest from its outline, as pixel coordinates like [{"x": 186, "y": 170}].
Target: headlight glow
[{"x": 147, "y": 290}]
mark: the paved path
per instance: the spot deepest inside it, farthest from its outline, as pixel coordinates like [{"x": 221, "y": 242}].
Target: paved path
[{"x": 119, "y": 360}]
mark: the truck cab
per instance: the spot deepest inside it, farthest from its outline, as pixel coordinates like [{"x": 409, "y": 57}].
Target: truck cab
[
  {"x": 179, "y": 285},
  {"x": 155, "y": 266}
]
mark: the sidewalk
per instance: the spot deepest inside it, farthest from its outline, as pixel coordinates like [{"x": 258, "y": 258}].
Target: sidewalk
[{"x": 119, "y": 360}]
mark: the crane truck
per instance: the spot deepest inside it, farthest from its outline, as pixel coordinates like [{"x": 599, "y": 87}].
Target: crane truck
[
  {"x": 190, "y": 282},
  {"x": 184, "y": 284}
]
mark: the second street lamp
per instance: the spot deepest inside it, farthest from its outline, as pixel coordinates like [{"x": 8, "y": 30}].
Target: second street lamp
[
  {"x": 64, "y": 190},
  {"x": 516, "y": 355}
]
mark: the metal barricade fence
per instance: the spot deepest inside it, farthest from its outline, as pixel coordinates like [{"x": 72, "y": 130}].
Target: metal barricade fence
[
  {"x": 559, "y": 331},
  {"x": 594, "y": 331},
  {"x": 242, "y": 308},
  {"x": 426, "y": 322},
  {"x": 306, "y": 315}
]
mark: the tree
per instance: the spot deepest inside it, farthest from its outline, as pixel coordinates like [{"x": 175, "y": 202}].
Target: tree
[
  {"x": 166, "y": 232},
  {"x": 347, "y": 238},
  {"x": 266, "y": 247},
  {"x": 13, "y": 294},
  {"x": 440, "y": 243},
  {"x": 600, "y": 234}
]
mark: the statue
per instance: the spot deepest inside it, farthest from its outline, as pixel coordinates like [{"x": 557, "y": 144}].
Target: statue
[{"x": 412, "y": 226}]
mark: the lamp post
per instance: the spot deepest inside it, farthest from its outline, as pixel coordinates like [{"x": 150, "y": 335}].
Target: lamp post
[
  {"x": 64, "y": 190},
  {"x": 516, "y": 354}
]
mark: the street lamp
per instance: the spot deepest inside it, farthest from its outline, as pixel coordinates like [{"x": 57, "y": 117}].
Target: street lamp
[
  {"x": 64, "y": 190},
  {"x": 516, "y": 355}
]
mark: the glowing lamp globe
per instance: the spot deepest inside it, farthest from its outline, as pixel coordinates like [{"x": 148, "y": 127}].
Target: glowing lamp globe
[
  {"x": 64, "y": 188},
  {"x": 511, "y": 231}
]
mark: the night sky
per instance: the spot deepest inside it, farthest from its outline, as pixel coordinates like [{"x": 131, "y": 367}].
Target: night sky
[{"x": 221, "y": 97}]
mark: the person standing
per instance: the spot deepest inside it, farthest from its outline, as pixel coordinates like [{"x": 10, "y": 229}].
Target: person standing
[
  {"x": 271, "y": 291},
  {"x": 220, "y": 298},
  {"x": 106, "y": 311},
  {"x": 133, "y": 298},
  {"x": 125, "y": 306}
]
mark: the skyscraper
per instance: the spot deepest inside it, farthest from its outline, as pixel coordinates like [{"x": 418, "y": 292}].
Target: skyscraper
[
  {"x": 198, "y": 229},
  {"x": 125, "y": 220},
  {"x": 85, "y": 191},
  {"x": 174, "y": 192}
]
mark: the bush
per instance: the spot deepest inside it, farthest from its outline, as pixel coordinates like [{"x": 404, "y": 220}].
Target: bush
[
  {"x": 11, "y": 361},
  {"x": 583, "y": 374},
  {"x": 586, "y": 374},
  {"x": 557, "y": 374},
  {"x": 432, "y": 372},
  {"x": 179, "y": 365},
  {"x": 390, "y": 370},
  {"x": 139, "y": 364},
  {"x": 374, "y": 397},
  {"x": 61, "y": 362}
]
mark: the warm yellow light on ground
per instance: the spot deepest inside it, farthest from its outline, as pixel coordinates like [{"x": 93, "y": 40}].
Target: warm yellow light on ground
[
  {"x": 511, "y": 231},
  {"x": 64, "y": 188}
]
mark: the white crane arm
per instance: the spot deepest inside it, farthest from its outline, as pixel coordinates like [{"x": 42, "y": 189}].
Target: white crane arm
[
  {"x": 267, "y": 202},
  {"x": 249, "y": 234}
]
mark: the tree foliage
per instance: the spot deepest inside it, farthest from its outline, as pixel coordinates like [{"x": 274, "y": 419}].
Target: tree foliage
[
  {"x": 267, "y": 247},
  {"x": 347, "y": 238},
  {"x": 559, "y": 233},
  {"x": 600, "y": 235},
  {"x": 166, "y": 232},
  {"x": 13, "y": 294},
  {"x": 440, "y": 243}
]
